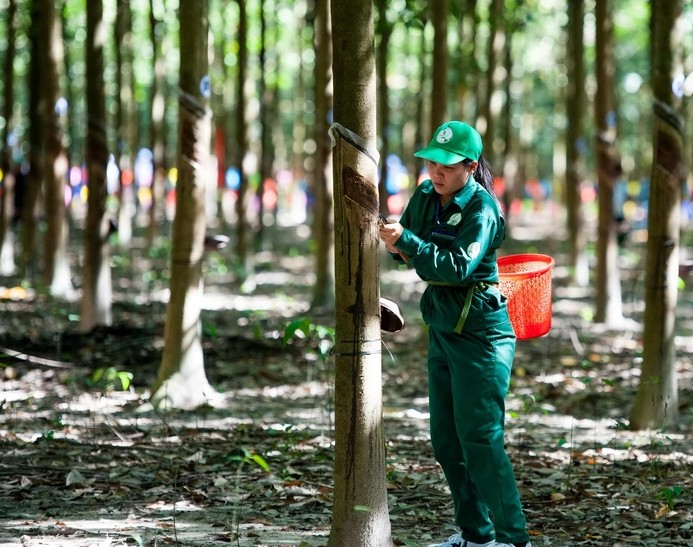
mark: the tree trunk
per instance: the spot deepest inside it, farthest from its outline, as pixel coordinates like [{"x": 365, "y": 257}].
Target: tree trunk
[
  {"x": 298, "y": 98},
  {"x": 360, "y": 512},
  {"x": 323, "y": 290},
  {"x": 74, "y": 124},
  {"x": 31, "y": 183},
  {"x": 266, "y": 96},
  {"x": 125, "y": 122},
  {"x": 476, "y": 76},
  {"x": 7, "y": 263},
  {"x": 609, "y": 307},
  {"x": 385, "y": 31},
  {"x": 420, "y": 135},
  {"x": 242, "y": 233},
  {"x": 576, "y": 142},
  {"x": 656, "y": 403},
  {"x": 156, "y": 132},
  {"x": 56, "y": 268},
  {"x": 489, "y": 112},
  {"x": 96, "y": 287},
  {"x": 439, "y": 91},
  {"x": 182, "y": 382},
  {"x": 510, "y": 161},
  {"x": 466, "y": 61}
]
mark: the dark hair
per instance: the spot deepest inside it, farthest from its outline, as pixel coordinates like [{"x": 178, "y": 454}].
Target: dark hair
[{"x": 484, "y": 176}]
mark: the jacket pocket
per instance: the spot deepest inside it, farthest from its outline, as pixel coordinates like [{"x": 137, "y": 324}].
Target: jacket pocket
[
  {"x": 441, "y": 308},
  {"x": 489, "y": 309}
]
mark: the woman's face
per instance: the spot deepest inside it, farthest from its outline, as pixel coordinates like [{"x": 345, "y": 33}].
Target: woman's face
[{"x": 448, "y": 179}]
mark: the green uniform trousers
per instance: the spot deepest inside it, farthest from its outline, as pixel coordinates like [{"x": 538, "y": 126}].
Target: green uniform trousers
[{"x": 469, "y": 376}]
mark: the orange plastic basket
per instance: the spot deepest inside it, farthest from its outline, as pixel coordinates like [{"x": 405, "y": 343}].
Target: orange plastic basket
[{"x": 525, "y": 279}]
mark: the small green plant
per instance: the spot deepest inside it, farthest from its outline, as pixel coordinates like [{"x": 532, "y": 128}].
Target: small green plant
[
  {"x": 210, "y": 329},
  {"x": 322, "y": 336},
  {"x": 111, "y": 378},
  {"x": 243, "y": 456},
  {"x": 217, "y": 264},
  {"x": 621, "y": 425},
  {"x": 670, "y": 495},
  {"x": 322, "y": 342},
  {"x": 247, "y": 457},
  {"x": 64, "y": 314}
]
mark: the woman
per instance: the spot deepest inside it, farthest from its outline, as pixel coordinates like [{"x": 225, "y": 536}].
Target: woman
[{"x": 449, "y": 234}]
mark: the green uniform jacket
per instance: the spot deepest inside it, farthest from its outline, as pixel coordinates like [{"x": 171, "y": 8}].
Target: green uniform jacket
[{"x": 453, "y": 248}]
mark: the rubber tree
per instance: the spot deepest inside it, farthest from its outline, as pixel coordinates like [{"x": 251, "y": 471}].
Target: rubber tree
[
  {"x": 125, "y": 121},
  {"x": 323, "y": 290},
  {"x": 31, "y": 202},
  {"x": 157, "y": 108},
  {"x": 609, "y": 306},
  {"x": 360, "y": 512},
  {"x": 656, "y": 403},
  {"x": 7, "y": 263},
  {"x": 493, "y": 85},
  {"x": 439, "y": 80},
  {"x": 96, "y": 290},
  {"x": 384, "y": 32},
  {"x": 575, "y": 141},
  {"x": 56, "y": 267},
  {"x": 182, "y": 382}
]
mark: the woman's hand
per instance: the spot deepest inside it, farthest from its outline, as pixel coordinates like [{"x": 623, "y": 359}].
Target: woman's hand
[{"x": 390, "y": 233}]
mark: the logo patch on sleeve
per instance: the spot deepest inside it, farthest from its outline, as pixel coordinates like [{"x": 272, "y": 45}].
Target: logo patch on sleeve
[{"x": 474, "y": 249}]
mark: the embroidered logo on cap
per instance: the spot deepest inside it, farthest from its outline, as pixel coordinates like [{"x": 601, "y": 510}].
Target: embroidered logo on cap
[
  {"x": 444, "y": 136},
  {"x": 474, "y": 249}
]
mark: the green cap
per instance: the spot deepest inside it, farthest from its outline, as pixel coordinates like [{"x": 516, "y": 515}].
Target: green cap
[{"x": 451, "y": 143}]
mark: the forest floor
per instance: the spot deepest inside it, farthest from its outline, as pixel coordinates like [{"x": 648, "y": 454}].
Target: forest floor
[{"x": 85, "y": 463}]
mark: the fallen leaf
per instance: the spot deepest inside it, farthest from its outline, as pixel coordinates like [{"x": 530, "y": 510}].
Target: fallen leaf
[{"x": 662, "y": 512}]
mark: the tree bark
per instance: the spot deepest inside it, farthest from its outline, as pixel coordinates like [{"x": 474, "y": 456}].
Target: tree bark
[
  {"x": 96, "y": 287},
  {"x": 323, "y": 290},
  {"x": 609, "y": 306},
  {"x": 267, "y": 96},
  {"x": 243, "y": 251},
  {"x": 7, "y": 262},
  {"x": 385, "y": 31},
  {"x": 32, "y": 181},
  {"x": 656, "y": 402},
  {"x": 56, "y": 268},
  {"x": 489, "y": 111},
  {"x": 421, "y": 135},
  {"x": 157, "y": 106},
  {"x": 464, "y": 104},
  {"x": 360, "y": 515},
  {"x": 182, "y": 382},
  {"x": 439, "y": 91},
  {"x": 360, "y": 512},
  {"x": 510, "y": 161},
  {"x": 125, "y": 122},
  {"x": 576, "y": 142}
]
